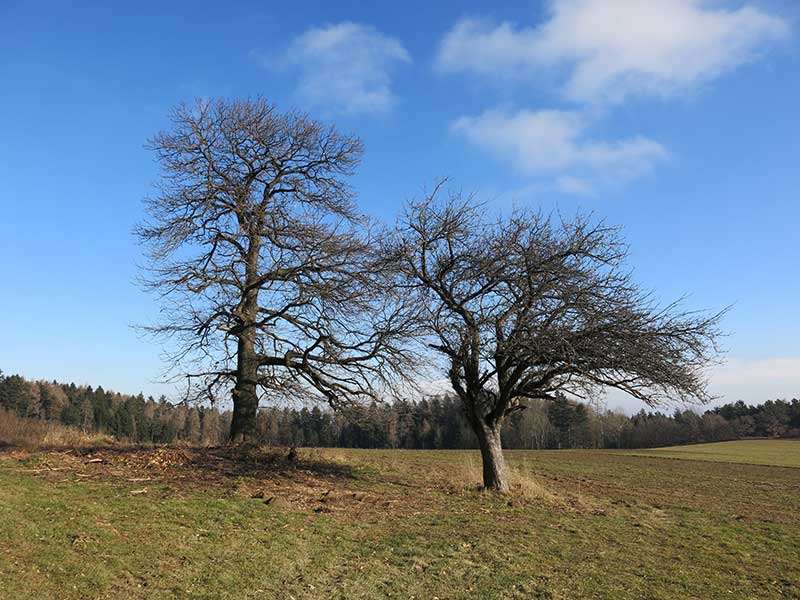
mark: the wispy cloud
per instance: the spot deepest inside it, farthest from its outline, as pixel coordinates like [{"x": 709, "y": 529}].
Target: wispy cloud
[
  {"x": 346, "y": 67},
  {"x": 751, "y": 380},
  {"x": 555, "y": 141},
  {"x": 574, "y": 186},
  {"x": 780, "y": 371},
  {"x": 608, "y": 50}
]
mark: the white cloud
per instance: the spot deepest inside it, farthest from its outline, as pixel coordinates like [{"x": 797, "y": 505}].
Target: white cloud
[
  {"x": 752, "y": 380},
  {"x": 574, "y": 186},
  {"x": 777, "y": 371},
  {"x": 346, "y": 66},
  {"x": 615, "y": 48},
  {"x": 555, "y": 141}
]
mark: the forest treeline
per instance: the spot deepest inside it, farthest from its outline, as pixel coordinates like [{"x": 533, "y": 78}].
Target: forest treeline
[{"x": 437, "y": 422}]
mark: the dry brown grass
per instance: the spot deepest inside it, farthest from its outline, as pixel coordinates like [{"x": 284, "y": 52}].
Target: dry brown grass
[
  {"x": 33, "y": 434},
  {"x": 526, "y": 486},
  {"x": 468, "y": 472}
]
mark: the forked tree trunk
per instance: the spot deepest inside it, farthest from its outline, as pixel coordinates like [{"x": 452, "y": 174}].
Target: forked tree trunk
[{"x": 495, "y": 476}]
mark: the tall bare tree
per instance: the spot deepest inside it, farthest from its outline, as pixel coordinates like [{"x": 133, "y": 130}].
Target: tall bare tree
[
  {"x": 524, "y": 308},
  {"x": 265, "y": 269}
]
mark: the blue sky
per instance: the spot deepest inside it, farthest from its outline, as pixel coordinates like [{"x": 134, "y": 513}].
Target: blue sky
[{"x": 677, "y": 119}]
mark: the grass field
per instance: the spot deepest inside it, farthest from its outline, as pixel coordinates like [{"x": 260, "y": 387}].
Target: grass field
[
  {"x": 190, "y": 523},
  {"x": 783, "y": 453}
]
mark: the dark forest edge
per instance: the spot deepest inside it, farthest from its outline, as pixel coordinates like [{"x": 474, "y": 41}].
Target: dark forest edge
[{"x": 437, "y": 422}]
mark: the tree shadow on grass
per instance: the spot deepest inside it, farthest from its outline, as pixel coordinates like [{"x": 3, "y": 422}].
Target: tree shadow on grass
[
  {"x": 265, "y": 463},
  {"x": 203, "y": 463}
]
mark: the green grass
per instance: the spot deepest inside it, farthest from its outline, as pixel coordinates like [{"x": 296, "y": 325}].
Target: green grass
[
  {"x": 396, "y": 524},
  {"x": 783, "y": 453}
]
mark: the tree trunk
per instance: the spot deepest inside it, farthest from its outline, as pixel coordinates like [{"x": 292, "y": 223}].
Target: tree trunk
[
  {"x": 245, "y": 395},
  {"x": 245, "y": 392},
  {"x": 494, "y": 464}
]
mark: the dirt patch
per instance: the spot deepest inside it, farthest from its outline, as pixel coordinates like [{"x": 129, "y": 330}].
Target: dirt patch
[{"x": 308, "y": 483}]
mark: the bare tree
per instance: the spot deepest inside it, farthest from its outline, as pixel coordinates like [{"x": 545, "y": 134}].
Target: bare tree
[
  {"x": 525, "y": 308},
  {"x": 266, "y": 272}
]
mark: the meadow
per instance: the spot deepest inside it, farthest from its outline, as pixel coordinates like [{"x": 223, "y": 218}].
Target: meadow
[
  {"x": 110, "y": 521},
  {"x": 779, "y": 453}
]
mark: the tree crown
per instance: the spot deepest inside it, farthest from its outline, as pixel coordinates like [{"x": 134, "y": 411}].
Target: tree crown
[{"x": 527, "y": 306}]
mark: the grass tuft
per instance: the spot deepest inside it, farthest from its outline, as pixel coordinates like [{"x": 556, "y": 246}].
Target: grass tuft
[{"x": 33, "y": 434}]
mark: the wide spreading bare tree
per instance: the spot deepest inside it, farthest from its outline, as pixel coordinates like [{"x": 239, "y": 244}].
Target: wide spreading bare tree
[
  {"x": 266, "y": 272},
  {"x": 524, "y": 307}
]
